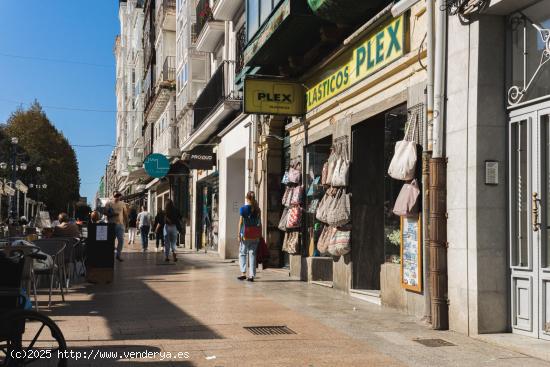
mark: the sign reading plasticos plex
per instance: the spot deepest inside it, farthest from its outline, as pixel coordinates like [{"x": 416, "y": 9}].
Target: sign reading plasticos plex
[{"x": 377, "y": 50}]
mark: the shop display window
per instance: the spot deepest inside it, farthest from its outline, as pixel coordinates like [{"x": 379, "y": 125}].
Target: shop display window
[{"x": 316, "y": 155}]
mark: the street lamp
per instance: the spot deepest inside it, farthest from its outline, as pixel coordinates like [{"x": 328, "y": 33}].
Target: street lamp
[
  {"x": 14, "y": 168},
  {"x": 38, "y": 186}
]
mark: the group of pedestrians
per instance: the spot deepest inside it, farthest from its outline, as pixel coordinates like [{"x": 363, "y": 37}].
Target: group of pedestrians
[{"x": 167, "y": 225}]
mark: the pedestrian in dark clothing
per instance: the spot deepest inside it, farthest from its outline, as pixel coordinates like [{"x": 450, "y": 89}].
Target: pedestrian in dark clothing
[
  {"x": 132, "y": 226},
  {"x": 159, "y": 228},
  {"x": 172, "y": 227}
]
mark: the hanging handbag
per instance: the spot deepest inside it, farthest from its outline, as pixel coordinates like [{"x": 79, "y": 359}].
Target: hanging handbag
[
  {"x": 320, "y": 214},
  {"x": 287, "y": 197},
  {"x": 294, "y": 219},
  {"x": 340, "y": 212},
  {"x": 324, "y": 239},
  {"x": 324, "y": 174},
  {"x": 406, "y": 203},
  {"x": 295, "y": 173},
  {"x": 403, "y": 164},
  {"x": 340, "y": 242},
  {"x": 292, "y": 243},
  {"x": 282, "y": 221},
  {"x": 297, "y": 195},
  {"x": 341, "y": 168},
  {"x": 330, "y": 167}
]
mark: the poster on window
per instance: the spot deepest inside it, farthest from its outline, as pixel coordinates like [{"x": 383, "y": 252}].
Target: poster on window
[{"x": 411, "y": 253}]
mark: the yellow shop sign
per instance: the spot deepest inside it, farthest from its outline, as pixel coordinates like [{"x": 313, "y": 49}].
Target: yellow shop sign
[
  {"x": 273, "y": 97},
  {"x": 377, "y": 50}
]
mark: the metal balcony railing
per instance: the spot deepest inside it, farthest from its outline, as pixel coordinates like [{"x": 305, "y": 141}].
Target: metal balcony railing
[
  {"x": 169, "y": 69},
  {"x": 149, "y": 86},
  {"x": 218, "y": 89},
  {"x": 241, "y": 44},
  {"x": 204, "y": 14}
]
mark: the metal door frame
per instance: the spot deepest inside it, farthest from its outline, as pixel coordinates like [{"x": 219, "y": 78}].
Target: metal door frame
[{"x": 537, "y": 173}]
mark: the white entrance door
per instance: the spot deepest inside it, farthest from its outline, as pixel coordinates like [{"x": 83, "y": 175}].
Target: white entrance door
[{"x": 529, "y": 220}]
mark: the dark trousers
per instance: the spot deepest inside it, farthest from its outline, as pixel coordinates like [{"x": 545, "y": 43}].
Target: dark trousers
[
  {"x": 159, "y": 237},
  {"x": 144, "y": 231}
]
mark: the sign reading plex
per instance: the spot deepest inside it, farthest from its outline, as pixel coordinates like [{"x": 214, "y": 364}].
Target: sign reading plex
[
  {"x": 371, "y": 54},
  {"x": 273, "y": 97}
]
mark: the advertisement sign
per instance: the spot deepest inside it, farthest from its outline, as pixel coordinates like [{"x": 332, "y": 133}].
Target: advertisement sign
[
  {"x": 156, "y": 165},
  {"x": 273, "y": 97},
  {"x": 377, "y": 50},
  {"x": 202, "y": 157},
  {"x": 411, "y": 253}
]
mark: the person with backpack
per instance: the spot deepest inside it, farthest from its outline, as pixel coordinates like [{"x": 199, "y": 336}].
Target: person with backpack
[
  {"x": 132, "y": 226},
  {"x": 250, "y": 232}
]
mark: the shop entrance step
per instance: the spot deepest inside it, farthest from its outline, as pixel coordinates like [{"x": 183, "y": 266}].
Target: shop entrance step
[
  {"x": 323, "y": 283},
  {"x": 368, "y": 295}
]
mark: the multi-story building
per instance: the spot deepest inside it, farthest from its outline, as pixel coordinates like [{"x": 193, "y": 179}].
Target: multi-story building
[{"x": 129, "y": 75}]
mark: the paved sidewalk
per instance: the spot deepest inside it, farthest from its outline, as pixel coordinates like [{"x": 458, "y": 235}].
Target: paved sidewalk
[{"x": 197, "y": 306}]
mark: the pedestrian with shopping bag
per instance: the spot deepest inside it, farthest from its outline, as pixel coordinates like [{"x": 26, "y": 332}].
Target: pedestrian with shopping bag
[{"x": 250, "y": 232}]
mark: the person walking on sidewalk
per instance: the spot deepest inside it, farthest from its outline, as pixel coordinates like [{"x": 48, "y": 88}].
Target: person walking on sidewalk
[
  {"x": 117, "y": 213},
  {"x": 250, "y": 231},
  {"x": 159, "y": 229},
  {"x": 144, "y": 224},
  {"x": 132, "y": 226},
  {"x": 172, "y": 226}
]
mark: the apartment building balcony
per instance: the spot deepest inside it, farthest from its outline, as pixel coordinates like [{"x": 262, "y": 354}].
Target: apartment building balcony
[
  {"x": 167, "y": 143},
  {"x": 216, "y": 105},
  {"x": 166, "y": 15},
  {"x": 158, "y": 94},
  {"x": 209, "y": 30},
  {"x": 225, "y": 9}
]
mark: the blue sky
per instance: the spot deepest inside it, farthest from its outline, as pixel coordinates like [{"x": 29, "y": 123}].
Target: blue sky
[{"x": 76, "y": 31}]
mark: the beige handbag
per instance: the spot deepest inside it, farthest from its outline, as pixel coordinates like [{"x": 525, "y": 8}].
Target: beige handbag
[
  {"x": 403, "y": 163},
  {"x": 340, "y": 242},
  {"x": 292, "y": 242},
  {"x": 341, "y": 168},
  {"x": 406, "y": 203},
  {"x": 324, "y": 239},
  {"x": 340, "y": 212},
  {"x": 330, "y": 167}
]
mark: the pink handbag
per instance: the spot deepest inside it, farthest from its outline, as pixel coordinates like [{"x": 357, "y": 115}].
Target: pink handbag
[
  {"x": 406, "y": 203},
  {"x": 297, "y": 195},
  {"x": 295, "y": 173},
  {"x": 294, "y": 219}
]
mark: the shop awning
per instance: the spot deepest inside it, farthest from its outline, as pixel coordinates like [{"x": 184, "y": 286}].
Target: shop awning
[
  {"x": 212, "y": 179},
  {"x": 138, "y": 174}
]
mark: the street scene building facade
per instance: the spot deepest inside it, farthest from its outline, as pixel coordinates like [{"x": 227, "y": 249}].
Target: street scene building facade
[{"x": 310, "y": 104}]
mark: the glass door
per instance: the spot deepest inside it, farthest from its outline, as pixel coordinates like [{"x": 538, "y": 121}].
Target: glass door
[{"x": 529, "y": 223}]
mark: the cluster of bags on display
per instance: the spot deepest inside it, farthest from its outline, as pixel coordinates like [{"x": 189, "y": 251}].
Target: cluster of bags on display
[
  {"x": 334, "y": 209},
  {"x": 291, "y": 220},
  {"x": 403, "y": 167}
]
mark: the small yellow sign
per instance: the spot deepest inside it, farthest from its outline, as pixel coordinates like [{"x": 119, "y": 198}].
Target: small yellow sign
[
  {"x": 273, "y": 97},
  {"x": 377, "y": 50}
]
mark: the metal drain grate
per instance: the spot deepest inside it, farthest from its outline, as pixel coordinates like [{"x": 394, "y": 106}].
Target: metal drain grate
[
  {"x": 269, "y": 330},
  {"x": 434, "y": 343}
]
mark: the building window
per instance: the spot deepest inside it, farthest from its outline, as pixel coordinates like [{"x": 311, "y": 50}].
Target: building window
[{"x": 257, "y": 12}]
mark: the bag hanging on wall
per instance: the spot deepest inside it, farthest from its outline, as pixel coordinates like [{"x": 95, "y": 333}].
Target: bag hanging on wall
[
  {"x": 403, "y": 164},
  {"x": 325, "y": 205},
  {"x": 340, "y": 212},
  {"x": 330, "y": 167},
  {"x": 324, "y": 239},
  {"x": 294, "y": 219},
  {"x": 314, "y": 188},
  {"x": 282, "y": 221},
  {"x": 341, "y": 168},
  {"x": 340, "y": 242},
  {"x": 406, "y": 203},
  {"x": 295, "y": 173},
  {"x": 292, "y": 243},
  {"x": 297, "y": 195},
  {"x": 324, "y": 174},
  {"x": 287, "y": 197},
  {"x": 320, "y": 215}
]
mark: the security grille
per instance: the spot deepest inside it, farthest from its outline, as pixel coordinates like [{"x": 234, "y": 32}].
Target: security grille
[
  {"x": 434, "y": 343},
  {"x": 269, "y": 330}
]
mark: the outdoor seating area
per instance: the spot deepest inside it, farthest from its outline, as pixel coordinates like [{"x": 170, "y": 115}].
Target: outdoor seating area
[{"x": 62, "y": 263}]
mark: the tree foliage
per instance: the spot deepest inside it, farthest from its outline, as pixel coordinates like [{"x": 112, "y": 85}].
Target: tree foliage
[{"x": 41, "y": 144}]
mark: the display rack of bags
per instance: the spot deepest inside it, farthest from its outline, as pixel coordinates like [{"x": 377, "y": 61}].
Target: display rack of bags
[
  {"x": 292, "y": 201},
  {"x": 334, "y": 208},
  {"x": 403, "y": 167}
]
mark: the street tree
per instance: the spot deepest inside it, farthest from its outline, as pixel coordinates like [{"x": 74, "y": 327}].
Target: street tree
[{"x": 41, "y": 144}]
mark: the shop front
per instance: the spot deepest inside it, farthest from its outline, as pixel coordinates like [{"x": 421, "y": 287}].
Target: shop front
[{"x": 341, "y": 229}]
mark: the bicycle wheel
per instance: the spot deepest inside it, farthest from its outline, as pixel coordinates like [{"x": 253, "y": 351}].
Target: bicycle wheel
[{"x": 32, "y": 337}]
